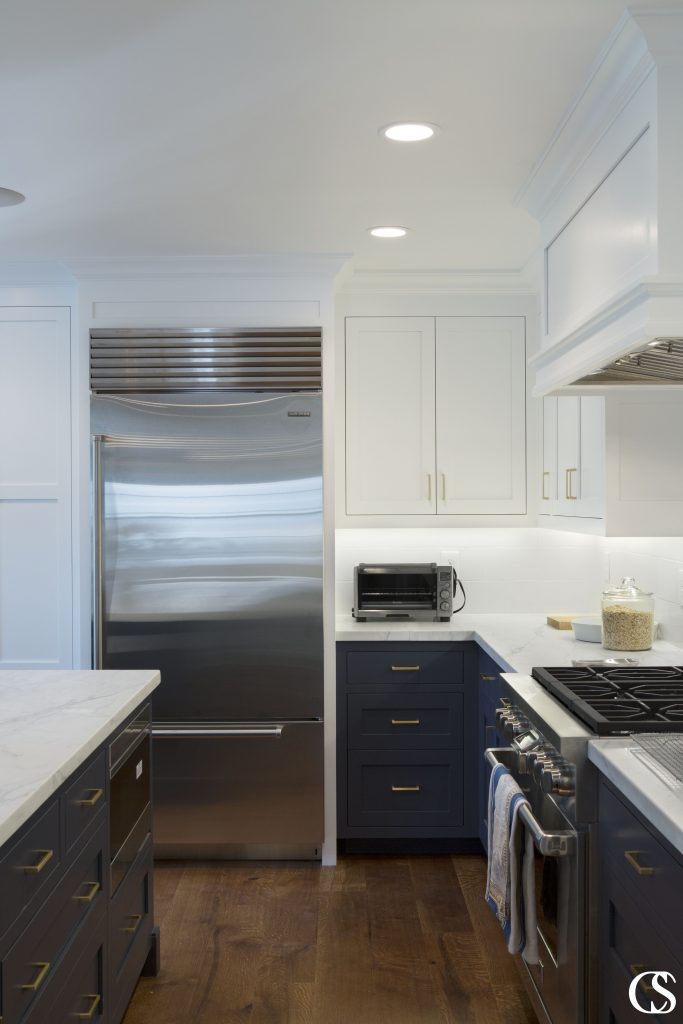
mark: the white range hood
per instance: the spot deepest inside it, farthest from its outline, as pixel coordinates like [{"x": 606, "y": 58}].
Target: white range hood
[{"x": 607, "y": 192}]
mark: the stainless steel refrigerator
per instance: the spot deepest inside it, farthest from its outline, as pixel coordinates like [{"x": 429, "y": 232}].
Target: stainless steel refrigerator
[{"x": 208, "y": 566}]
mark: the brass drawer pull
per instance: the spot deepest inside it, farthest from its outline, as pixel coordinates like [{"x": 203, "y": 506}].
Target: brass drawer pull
[
  {"x": 405, "y": 789},
  {"x": 405, "y": 721},
  {"x": 137, "y": 918},
  {"x": 632, "y": 858},
  {"x": 39, "y": 979},
  {"x": 488, "y": 679},
  {"x": 405, "y": 668},
  {"x": 35, "y": 869},
  {"x": 568, "y": 484},
  {"x": 89, "y": 1013},
  {"x": 97, "y": 794},
  {"x": 94, "y": 889},
  {"x": 637, "y": 969}
]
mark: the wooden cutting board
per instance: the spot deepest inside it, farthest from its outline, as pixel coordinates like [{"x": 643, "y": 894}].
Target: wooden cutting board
[{"x": 561, "y": 621}]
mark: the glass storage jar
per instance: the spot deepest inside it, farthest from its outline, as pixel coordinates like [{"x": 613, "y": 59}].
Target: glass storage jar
[{"x": 628, "y": 617}]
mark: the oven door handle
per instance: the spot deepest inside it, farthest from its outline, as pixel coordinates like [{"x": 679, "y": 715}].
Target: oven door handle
[{"x": 548, "y": 844}]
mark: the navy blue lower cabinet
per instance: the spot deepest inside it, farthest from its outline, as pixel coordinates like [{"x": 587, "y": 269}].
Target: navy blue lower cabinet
[
  {"x": 406, "y": 751},
  {"x": 489, "y": 700},
  {"x": 71, "y": 948},
  {"x": 640, "y": 892}
]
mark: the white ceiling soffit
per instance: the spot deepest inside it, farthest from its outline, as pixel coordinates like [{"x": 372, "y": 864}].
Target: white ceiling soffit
[{"x": 167, "y": 128}]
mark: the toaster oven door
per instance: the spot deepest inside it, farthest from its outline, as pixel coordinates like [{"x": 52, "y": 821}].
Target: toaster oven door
[{"x": 397, "y": 591}]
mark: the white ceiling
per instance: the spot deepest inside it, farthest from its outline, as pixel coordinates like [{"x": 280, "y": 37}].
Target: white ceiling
[{"x": 205, "y": 127}]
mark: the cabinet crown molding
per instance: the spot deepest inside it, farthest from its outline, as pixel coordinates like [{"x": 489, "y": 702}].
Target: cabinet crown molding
[
  {"x": 326, "y": 265},
  {"x": 439, "y": 282}
]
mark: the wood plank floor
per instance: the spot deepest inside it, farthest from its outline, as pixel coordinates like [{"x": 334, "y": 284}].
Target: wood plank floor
[{"x": 376, "y": 940}]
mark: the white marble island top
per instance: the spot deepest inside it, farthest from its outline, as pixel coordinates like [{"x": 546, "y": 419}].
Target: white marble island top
[
  {"x": 516, "y": 642},
  {"x": 50, "y": 722}
]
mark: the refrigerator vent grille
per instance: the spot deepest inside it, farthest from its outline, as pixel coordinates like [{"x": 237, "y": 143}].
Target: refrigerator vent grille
[{"x": 205, "y": 359}]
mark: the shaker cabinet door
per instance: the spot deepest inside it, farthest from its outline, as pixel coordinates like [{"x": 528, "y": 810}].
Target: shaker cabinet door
[
  {"x": 548, "y": 482},
  {"x": 580, "y": 456},
  {"x": 390, "y": 416},
  {"x": 481, "y": 415}
]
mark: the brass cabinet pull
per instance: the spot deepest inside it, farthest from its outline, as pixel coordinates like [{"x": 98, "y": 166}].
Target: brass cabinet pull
[
  {"x": 35, "y": 869},
  {"x": 39, "y": 979},
  {"x": 505, "y": 702},
  {"x": 137, "y": 918},
  {"x": 91, "y": 800},
  {"x": 89, "y": 1013},
  {"x": 637, "y": 969},
  {"x": 544, "y": 474},
  {"x": 443, "y": 486},
  {"x": 405, "y": 721},
  {"x": 632, "y": 858},
  {"x": 429, "y": 486},
  {"x": 405, "y": 789},
  {"x": 568, "y": 484},
  {"x": 488, "y": 679},
  {"x": 90, "y": 896},
  {"x": 405, "y": 668}
]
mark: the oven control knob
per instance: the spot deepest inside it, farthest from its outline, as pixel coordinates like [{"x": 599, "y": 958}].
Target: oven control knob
[
  {"x": 445, "y": 593},
  {"x": 558, "y": 780},
  {"x": 445, "y": 605},
  {"x": 544, "y": 763}
]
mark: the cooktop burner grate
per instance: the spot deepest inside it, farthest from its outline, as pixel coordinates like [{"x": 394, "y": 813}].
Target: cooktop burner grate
[{"x": 619, "y": 700}]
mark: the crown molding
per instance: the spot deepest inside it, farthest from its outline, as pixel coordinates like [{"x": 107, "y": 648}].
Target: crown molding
[
  {"x": 247, "y": 265},
  {"x": 438, "y": 282},
  {"x": 621, "y": 67}
]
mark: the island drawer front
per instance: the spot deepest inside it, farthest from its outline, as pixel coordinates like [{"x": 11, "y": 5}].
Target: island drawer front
[
  {"x": 81, "y": 998},
  {"x": 633, "y": 947},
  {"x": 84, "y": 799},
  {"x": 414, "y": 789},
  {"x": 30, "y": 868},
  {"x": 401, "y": 667},
  {"x": 406, "y": 721},
  {"x": 641, "y": 862},
  {"x": 129, "y": 914},
  {"x": 30, "y": 963}
]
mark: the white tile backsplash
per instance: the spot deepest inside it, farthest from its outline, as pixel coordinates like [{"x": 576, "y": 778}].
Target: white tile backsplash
[{"x": 526, "y": 570}]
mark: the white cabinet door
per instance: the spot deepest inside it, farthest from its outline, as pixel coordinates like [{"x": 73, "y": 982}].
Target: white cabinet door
[
  {"x": 549, "y": 460},
  {"x": 481, "y": 415},
  {"x": 580, "y": 456},
  {"x": 390, "y": 416},
  {"x": 35, "y": 489}
]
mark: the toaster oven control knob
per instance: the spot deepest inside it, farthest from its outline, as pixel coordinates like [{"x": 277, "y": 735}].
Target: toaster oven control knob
[
  {"x": 445, "y": 593},
  {"x": 445, "y": 605}
]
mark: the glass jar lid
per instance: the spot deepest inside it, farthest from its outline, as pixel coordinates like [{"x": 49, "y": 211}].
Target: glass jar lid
[{"x": 626, "y": 589}]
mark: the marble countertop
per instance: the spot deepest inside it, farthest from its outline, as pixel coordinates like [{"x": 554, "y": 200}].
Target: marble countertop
[
  {"x": 658, "y": 801},
  {"x": 516, "y": 642},
  {"x": 50, "y": 722}
]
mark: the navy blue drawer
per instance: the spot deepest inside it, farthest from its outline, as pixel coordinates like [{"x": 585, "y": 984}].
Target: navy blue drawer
[
  {"x": 405, "y": 667},
  {"x": 412, "y": 789},
  {"x": 30, "y": 869},
  {"x": 634, "y": 855},
  {"x": 406, "y": 721},
  {"x": 84, "y": 799}
]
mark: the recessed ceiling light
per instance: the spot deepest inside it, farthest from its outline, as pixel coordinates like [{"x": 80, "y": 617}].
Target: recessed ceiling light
[
  {"x": 409, "y": 131},
  {"x": 388, "y": 232},
  {"x": 8, "y": 197}
]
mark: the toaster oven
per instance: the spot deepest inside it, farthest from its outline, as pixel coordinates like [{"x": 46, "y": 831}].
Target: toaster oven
[{"x": 407, "y": 591}]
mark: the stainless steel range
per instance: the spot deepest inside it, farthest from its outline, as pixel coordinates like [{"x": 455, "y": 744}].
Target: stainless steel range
[{"x": 548, "y": 720}]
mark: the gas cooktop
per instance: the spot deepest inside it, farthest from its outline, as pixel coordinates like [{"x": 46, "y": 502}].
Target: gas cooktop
[{"x": 618, "y": 701}]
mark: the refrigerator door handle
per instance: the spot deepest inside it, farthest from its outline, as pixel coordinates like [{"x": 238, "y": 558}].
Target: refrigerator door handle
[
  {"x": 215, "y": 730},
  {"x": 98, "y": 553}
]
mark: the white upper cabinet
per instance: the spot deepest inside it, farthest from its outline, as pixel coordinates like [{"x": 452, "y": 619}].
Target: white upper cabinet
[
  {"x": 35, "y": 489},
  {"x": 390, "y": 410},
  {"x": 435, "y": 416},
  {"x": 580, "y": 463},
  {"x": 480, "y": 415}
]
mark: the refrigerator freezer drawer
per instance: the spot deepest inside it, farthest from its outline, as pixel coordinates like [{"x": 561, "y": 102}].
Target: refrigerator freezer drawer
[{"x": 238, "y": 790}]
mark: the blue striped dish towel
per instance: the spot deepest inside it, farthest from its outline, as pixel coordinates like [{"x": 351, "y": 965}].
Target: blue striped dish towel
[{"x": 510, "y": 883}]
